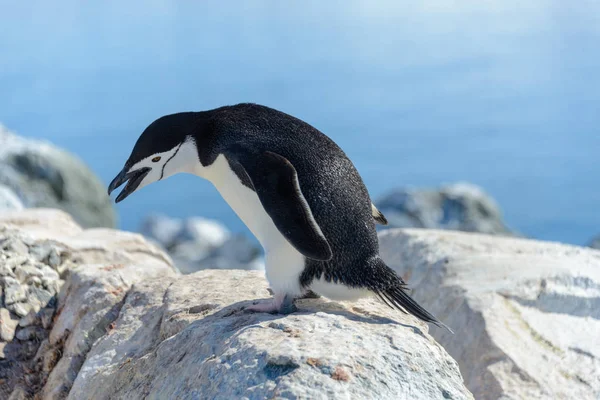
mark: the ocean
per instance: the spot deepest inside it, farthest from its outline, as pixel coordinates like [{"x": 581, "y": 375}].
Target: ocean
[{"x": 501, "y": 93}]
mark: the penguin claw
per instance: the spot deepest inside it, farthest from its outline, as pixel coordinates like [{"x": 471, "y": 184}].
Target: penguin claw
[{"x": 287, "y": 308}]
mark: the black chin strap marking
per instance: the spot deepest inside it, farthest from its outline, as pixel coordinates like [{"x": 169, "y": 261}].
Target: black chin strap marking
[{"x": 162, "y": 172}]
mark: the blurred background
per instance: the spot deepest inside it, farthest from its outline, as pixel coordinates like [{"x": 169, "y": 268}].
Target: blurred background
[{"x": 502, "y": 94}]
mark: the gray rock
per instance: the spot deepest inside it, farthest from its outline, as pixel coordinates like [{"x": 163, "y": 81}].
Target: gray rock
[
  {"x": 14, "y": 292},
  {"x": 14, "y": 246},
  {"x": 526, "y": 314},
  {"x": 595, "y": 243},
  {"x": 459, "y": 206},
  {"x": 198, "y": 243},
  {"x": 48, "y": 253},
  {"x": 25, "y": 272},
  {"x": 42, "y": 175},
  {"x": 52, "y": 286},
  {"x": 19, "y": 393},
  {"x": 6, "y": 281},
  {"x": 38, "y": 297},
  {"x": 49, "y": 274},
  {"x": 8, "y": 325},
  {"x": 15, "y": 261},
  {"x": 162, "y": 229},
  {"x": 129, "y": 326},
  {"x": 30, "y": 319},
  {"x": 238, "y": 248},
  {"x": 9, "y": 200},
  {"x": 170, "y": 232},
  {"x": 5, "y": 270},
  {"x": 121, "y": 255},
  {"x": 34, "y": 281},
  {"x": 45, "y": 316},
  {"x": 54, "y": 258},
  {"x": 190, "y": 338},
  {"x": 21, "y": 309},
  {"x": 237, "y": 252},
  {"x": 41, "y": 251},
  {"x": 32, "y": 333}
]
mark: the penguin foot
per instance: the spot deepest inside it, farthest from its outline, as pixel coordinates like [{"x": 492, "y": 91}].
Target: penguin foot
[
  {"x": 310, "y": 295},
  {"x": 266, "y": 307},
  {"x": 280, "y": 304},
  {"x": 287, "y": 306}
]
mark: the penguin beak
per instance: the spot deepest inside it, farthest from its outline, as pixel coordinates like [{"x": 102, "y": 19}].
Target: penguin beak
[{"x": 133, "y": 179}]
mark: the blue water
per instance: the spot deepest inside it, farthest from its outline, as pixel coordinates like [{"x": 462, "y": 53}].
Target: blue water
[{"x": 502, "y": 93}]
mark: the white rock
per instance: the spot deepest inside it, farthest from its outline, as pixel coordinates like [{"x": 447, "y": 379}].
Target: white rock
[
  {"x": 5, "y": 270},
  {"x": 102, "y": 264},
  {"x": 22, "y": 309},
  {"x": 171, "y": 231},
  {"x": 198, "y": 229},
  {"x": 237, "y": 252},
  {"x": 198, "y": 243},
  {"x": 24, "y": 272},
  {"x": 43, "y": 175},
  {"x": 129, "y": 326},
  {"x": 189, "y": 338},
  {"x": 458, "y": 206},
  {"x": 14, "y": 292},
  {"x": 9, "y": 200},
  {"x": 525, "y": 313},
  {"x": 162, "y": 229},
  {"x": 8, "y": 325}
]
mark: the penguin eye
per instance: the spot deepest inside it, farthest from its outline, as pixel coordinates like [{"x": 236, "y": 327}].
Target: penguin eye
[{"x": 156, "y": 159}]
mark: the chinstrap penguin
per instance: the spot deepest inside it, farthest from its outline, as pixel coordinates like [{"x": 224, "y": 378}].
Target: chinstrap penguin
[{"x": 292, "y": 186}]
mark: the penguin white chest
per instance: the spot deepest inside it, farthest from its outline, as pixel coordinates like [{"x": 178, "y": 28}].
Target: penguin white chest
[{"x": 284, "y": 263}]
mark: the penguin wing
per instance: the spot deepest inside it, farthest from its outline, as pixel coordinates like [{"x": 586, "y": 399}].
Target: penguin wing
[{"x": 275, "y": 181}]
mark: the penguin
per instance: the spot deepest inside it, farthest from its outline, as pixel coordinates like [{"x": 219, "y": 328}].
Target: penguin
[{"x": 292, "y": 186}]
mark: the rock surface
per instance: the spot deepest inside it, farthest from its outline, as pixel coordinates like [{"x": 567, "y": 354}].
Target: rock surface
[
  {"x": 198, "y": 243},
  {"x": 526, "y": 314},
  {"x": 189, "y": 338},
  {"x": 595, "y": 243},
  {"x": 42, "y": 175},
  {"x": 128, "y": 326},
  {"x": 9, "y": 200},
  {"x": 459, "y": 206},
  {"x": 38, "y": 250}
]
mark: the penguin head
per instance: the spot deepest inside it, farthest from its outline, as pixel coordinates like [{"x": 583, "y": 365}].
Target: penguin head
[{"x": 166, "y": 147}]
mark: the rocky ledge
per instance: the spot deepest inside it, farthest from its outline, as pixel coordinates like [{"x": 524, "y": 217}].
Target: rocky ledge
[
  {"x": 45, "y": 257},
  {"x": 458, "y": 206},
  {"x": 129, "y": 326},
  {"x": 35, "y": 173},
  {"x": 526, "y": 313},
  {"x": 198, "y": 243}
]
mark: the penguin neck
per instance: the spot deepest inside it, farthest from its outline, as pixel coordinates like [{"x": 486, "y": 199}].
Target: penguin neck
[{"x": 243, "y": 201}]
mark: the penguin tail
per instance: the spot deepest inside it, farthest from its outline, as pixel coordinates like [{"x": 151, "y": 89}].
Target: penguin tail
[{"x": 394, "y": 294}]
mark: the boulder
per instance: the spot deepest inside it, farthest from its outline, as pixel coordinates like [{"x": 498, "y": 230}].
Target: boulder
[
  {"x": 526, "y": 314},
  {"x": 595, "y": 243},
  {"x": 9, "y": 200},
  {"x": 459, "y": 206},
  {"x": 198, "y": 243},
  {"x": 39, "y": 249},
  {"x": 189, "y": 338},
  {"x": 128, "y": 326},
  {"x": 42, "y": 175}
]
